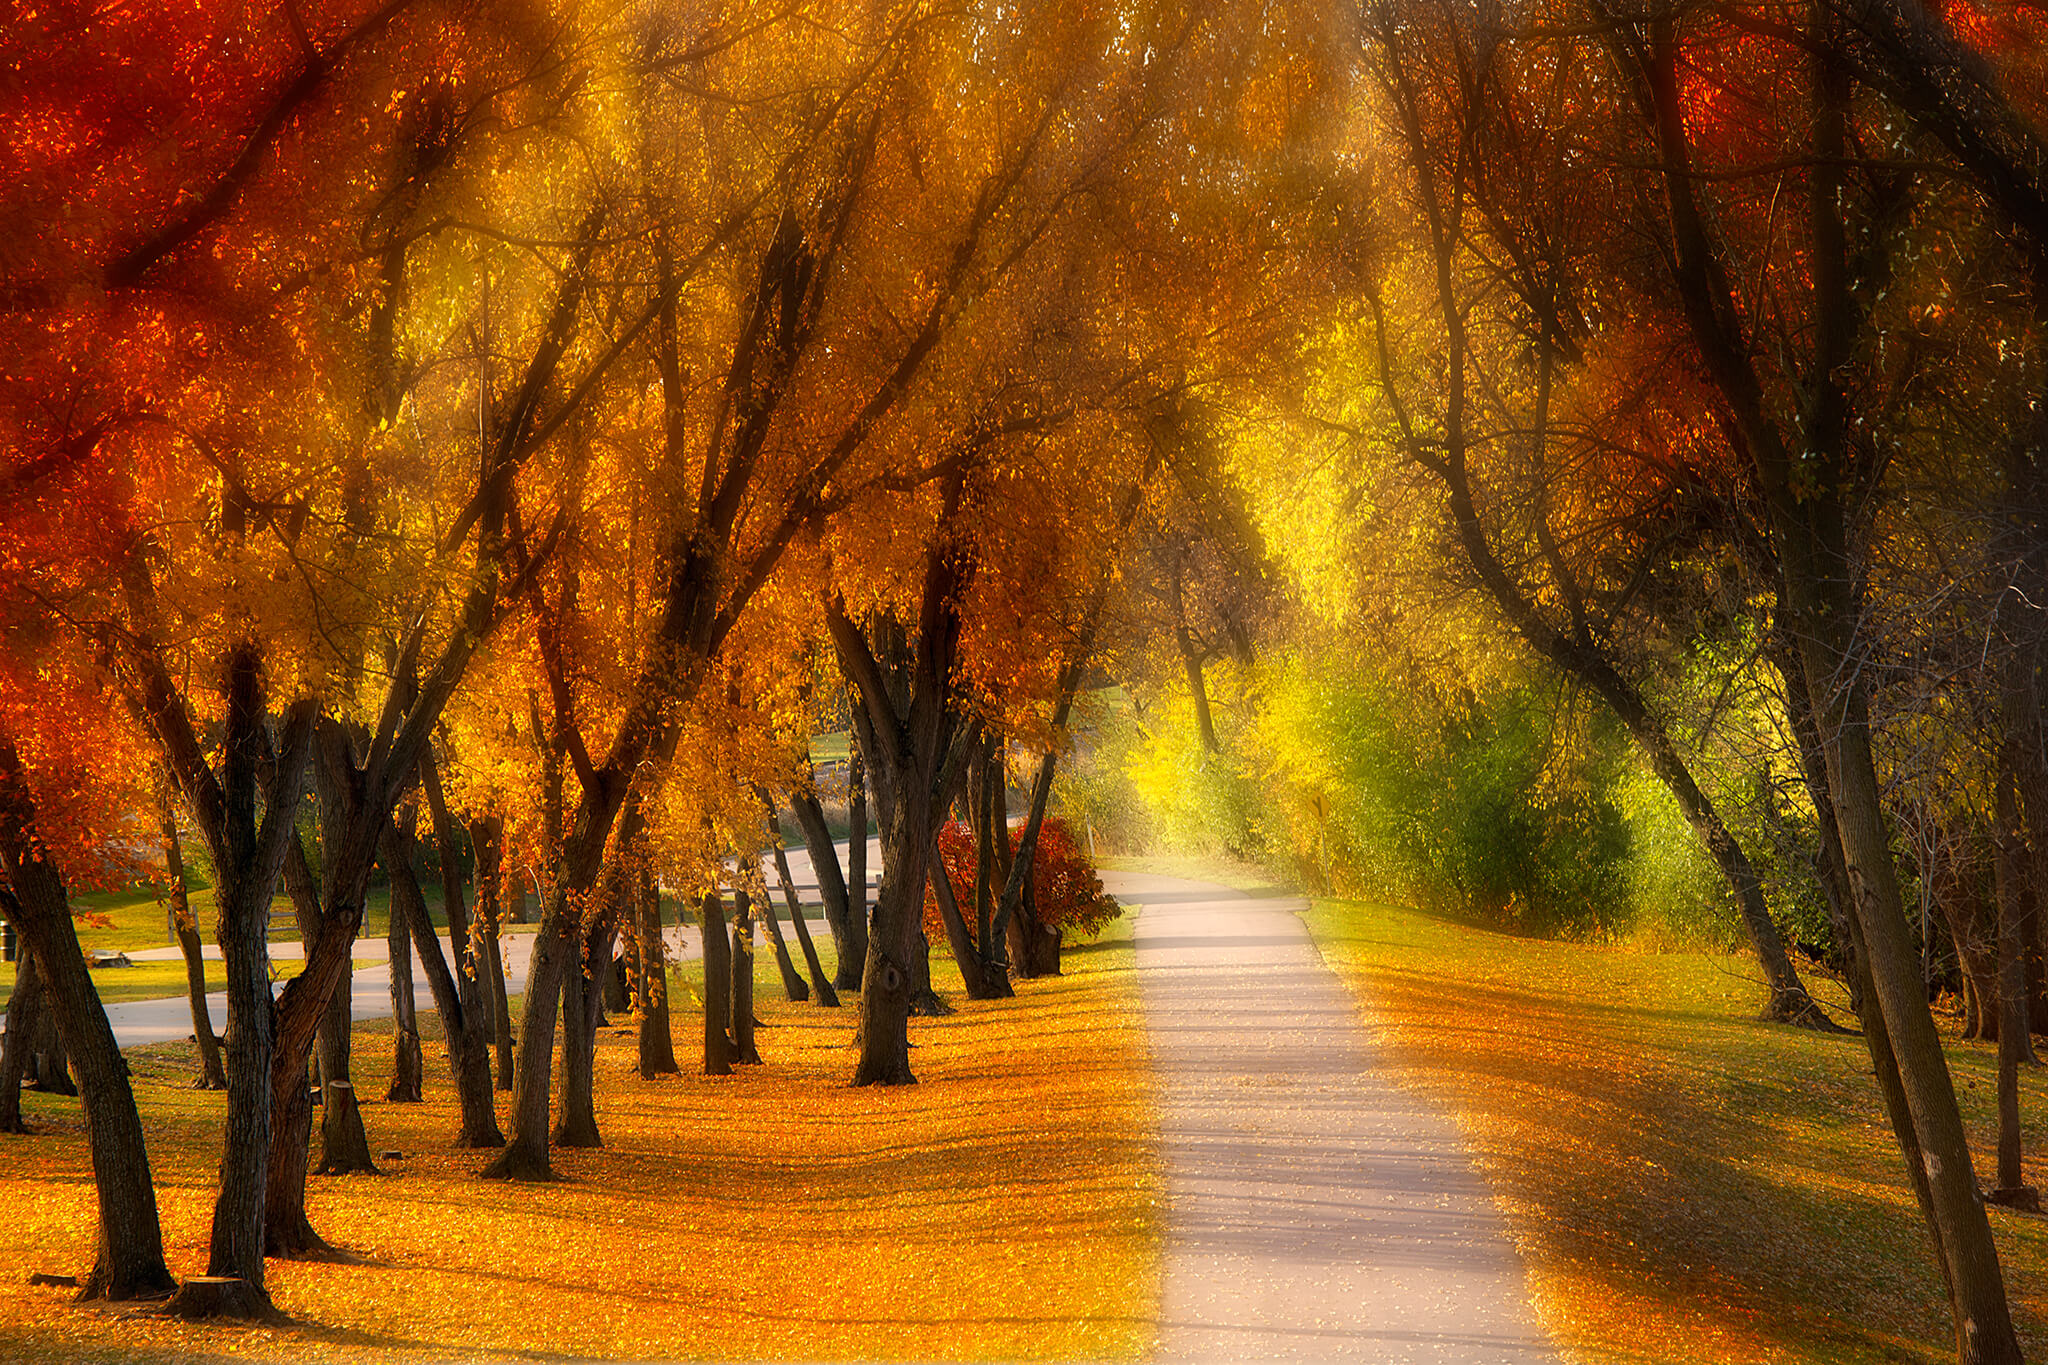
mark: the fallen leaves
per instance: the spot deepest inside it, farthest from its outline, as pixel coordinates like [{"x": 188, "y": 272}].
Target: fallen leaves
[
  {"x": 1684, "y": 1181},
  {"x": 1004, "y": 1208}
]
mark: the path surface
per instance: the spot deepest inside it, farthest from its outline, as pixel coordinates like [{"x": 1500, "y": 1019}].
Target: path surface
[
  {"x": 137, "y": 1022},
  {"x": 1316, "y": 1211}
]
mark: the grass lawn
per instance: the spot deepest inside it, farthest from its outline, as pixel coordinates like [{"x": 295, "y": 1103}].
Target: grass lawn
[
  {"x": 1004, "y": 1208},
  {"x": 1685, "y": 1182}
]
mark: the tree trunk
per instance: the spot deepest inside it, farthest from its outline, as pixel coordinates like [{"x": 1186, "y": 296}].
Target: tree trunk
[
  {"x": 24, "y": 1007},
  {"x": 1955, "y": 880},
  {"x": 793, "y": 985},
  {"x": 849, "y": 932},
  {"x": 248, "y": 854},
  {"x": 820, "y": 983},
  {"x": 1982, "y": 1317},
  {"x": 2014, "y": 895},
  {"x": 982, "y": 780},
  {"x": 210, "y": 1077},
  {"x": 744, "y": 1052},
  {"x": 1017, "y": 910},
  {"x": 344, "y": 1146},
  {"x": 917, "y": 742},
  {"x": 49, "y": 1064},
  {"x": 128, "y": 1260},
  {"x": 657, "y": 1041},
  {"x": 469, "y": 1055},
  {"x": 924, "y": 1001},
  {"x": 555, "y": 950},
  {"x": 407, "y": 1064},
  {"x": 288, "y": 1234},
  {"x": 501, "y": 1009},
  {"x": 966, "y": 955},
  {"x": 235, "y": 1247},
  {"x": 856, "y": 850},
  {"x": 718, "y": 1049},
  {"x": 472, "y": 1034},
  {"x": 884, "y": 1038},
  {"x": 1834, "y": 872},
  {"x": 487, "y": 836},
  {"x": 582, "y": 1007}
]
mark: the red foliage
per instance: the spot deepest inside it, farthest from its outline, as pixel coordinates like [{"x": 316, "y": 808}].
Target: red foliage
[{"x": 1064, "y": 887}]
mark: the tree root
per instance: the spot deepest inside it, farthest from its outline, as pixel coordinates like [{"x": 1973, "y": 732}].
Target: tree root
[
  {"x": 515, "y": 1163},
  {"x": 209, "y": 1297},
  {"x": 2024, "y": 1198},
  {"x": 1799, "y": 1010}
]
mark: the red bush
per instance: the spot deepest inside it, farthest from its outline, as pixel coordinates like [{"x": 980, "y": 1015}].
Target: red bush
[{"x": 1068, "y": 894}]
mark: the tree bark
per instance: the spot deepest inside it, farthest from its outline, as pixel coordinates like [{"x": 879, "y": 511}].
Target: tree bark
[
  {"x": 287, "y": 1231},
  {"x": 1017, "y": 924},
  {"x": 582, "y": 1006},
  {"x": 820, "y": 983},
  {"x": 248, "y": 854},
  {"x": 718, "y": 1049},
  {"x": 657, "y": 1041},
  {"x": 849, "y": 931},
  {"x": 744, "y": 1052},
  {"x": 24, "y": 1009},
  {"x": 344, "y": 1146},
  {"x": 48, "y": 1065},
  {"x": 210, "y": 1077},
  {"x": 966, "y": 955},
  {"x": 470, "y": 1031},
  {"x": 916, "y": 743},
  {"x": 792, "y": 981},
  {"x": 501, "y": 1008},
  {"x": 128, "y": 1260},
  {"x": 856, "y": 848},
  {"x": 407, "y": 1063},
  {"x": 468, "y": 1053},
  {"x": 555, "y": 950},
  {"x": 2013, "y": 896}
]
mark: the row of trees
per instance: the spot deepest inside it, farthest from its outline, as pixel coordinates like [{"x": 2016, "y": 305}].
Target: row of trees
[{"x": 490, "y": 421}]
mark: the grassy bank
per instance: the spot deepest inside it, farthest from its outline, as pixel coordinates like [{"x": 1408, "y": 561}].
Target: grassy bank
[
  {"x": 1686, "y": 1184},
  {"x": 1003, "y": 1208}
]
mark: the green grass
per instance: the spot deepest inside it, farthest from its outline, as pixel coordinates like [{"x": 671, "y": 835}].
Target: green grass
[{"x": 1685, "y": 1181}]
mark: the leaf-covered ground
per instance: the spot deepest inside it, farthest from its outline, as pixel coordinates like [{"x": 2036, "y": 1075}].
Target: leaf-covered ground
[
  {"x": 1004, "y": 1208},
  {"x": 1687, "y": 1184}
]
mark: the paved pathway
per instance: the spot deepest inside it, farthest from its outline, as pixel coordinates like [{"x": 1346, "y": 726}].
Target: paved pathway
[{"x": 1315, "y": 1210}]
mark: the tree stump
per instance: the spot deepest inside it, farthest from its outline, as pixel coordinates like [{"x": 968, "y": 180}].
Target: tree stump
[{"x": 344, "y": 1147}]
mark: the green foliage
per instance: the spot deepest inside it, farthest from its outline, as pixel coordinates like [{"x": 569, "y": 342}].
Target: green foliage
[
  {"x": 1675, "y": 891},
  {"x": 1498, "y": 803}
]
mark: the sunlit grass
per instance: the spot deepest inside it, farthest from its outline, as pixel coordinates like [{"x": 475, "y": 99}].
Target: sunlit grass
[
  {"x": 1004, "y": 1208},
  {"x": 1686, "y": 1183}
]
